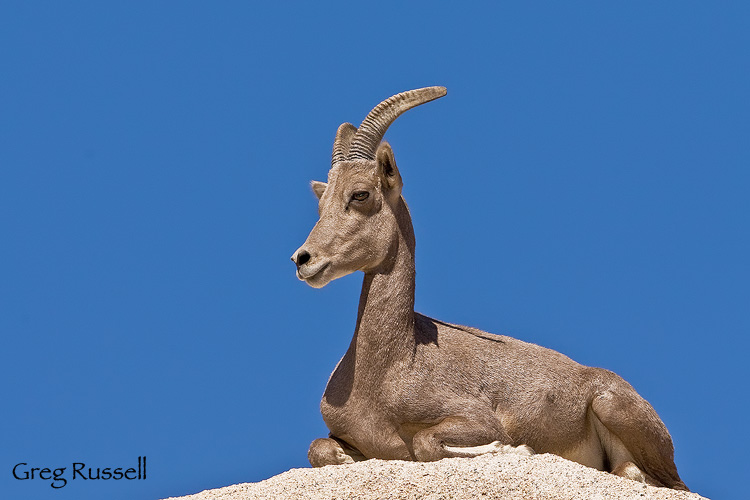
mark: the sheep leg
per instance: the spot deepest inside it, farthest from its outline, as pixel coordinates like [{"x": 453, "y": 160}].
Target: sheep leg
[
  {"x": 635, "y": 440},
  {"x": 463, "y": 437},
  {"x": 332, "y": 451}
]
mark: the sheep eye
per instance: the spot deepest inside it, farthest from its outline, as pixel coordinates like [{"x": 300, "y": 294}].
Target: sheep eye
[{"x": 360, "y": 195}]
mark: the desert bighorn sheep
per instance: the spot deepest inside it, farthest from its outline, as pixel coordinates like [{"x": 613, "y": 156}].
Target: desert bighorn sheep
[{"x": 414, "y": 388}]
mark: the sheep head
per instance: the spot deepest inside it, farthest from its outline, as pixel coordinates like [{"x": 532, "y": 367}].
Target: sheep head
[{"x": 358, "y": 205}]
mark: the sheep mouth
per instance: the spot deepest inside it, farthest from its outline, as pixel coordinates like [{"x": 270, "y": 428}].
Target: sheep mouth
[{"x": 307, "y": 273}]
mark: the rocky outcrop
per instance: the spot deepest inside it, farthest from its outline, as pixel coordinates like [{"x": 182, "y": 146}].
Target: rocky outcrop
[{"x": 489, "y": 476}]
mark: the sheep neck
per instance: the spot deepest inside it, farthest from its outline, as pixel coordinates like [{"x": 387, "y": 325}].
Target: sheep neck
[{"x": 385, "y": 319}]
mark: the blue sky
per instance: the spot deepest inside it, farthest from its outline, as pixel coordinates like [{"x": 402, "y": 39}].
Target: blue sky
[{"x": 584, "y": 186}]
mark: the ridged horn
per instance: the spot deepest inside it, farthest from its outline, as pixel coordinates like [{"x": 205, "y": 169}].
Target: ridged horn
[
  {"x": 344, "y": 136},
  {"x": 373, "y": 128}
]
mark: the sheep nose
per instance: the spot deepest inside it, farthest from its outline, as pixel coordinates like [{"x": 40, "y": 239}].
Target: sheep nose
[{"x": 300, "y": 257}]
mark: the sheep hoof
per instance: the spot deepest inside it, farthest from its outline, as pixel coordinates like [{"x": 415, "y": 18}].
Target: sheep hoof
[
  {"x": 524, "y": 450},
  {"x": 327, "y": 451}
]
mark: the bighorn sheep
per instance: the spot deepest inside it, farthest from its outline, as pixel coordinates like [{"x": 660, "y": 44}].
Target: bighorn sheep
[{"x": 414, "y": 388}]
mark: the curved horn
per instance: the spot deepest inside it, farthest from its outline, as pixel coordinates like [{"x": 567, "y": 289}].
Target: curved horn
[
  {"x": 373, "y": 128},
  {"x": 344, "y": 136}
]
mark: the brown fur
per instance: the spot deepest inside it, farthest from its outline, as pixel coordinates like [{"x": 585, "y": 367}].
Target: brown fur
[{"x": 413, "y": 388}]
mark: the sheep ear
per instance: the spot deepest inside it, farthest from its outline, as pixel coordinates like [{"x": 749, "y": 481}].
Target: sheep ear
[
  {"x": 318, "y": 188},
  {"x": 387, "y": 169}
]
